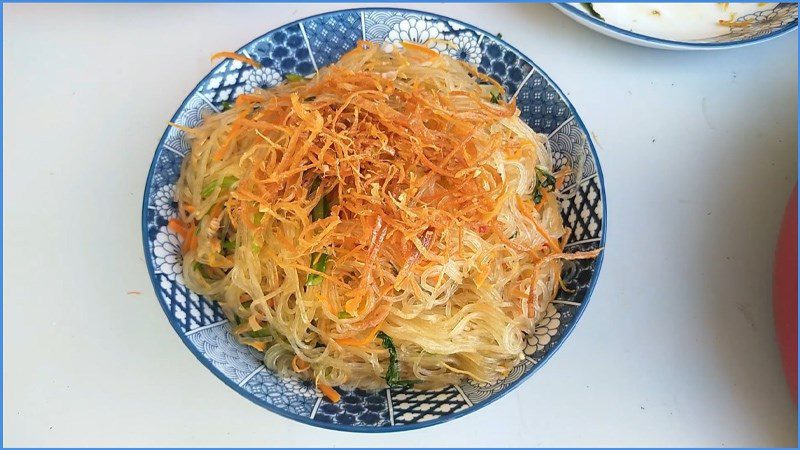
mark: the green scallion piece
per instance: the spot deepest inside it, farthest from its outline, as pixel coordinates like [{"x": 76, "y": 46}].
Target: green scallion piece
[
  {"x": 318, "y": 262},
  {"x": 262, "y": 333},
  {"x": 258, "y": 217},
  {"x": 321, "y": 210},
  {"x": 209, "y": 188},
  {"x": 393, "y": 372},
  {"x": 544, "y": 181},
  {"x": 228, "y": 181}
]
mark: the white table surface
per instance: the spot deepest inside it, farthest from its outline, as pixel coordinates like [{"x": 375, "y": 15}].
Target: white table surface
[{"x": 699, "y": 152}]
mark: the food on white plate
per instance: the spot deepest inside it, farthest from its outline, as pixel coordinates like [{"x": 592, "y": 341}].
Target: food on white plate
[{"x": 676, "y": 21}]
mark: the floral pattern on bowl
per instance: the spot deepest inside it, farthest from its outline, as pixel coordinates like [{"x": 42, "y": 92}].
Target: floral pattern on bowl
[{"x": 301, "y": 48}]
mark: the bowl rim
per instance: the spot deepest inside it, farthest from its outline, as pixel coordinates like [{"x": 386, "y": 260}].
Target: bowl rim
[
  {"x": 377, "y": 429},
  {"x": 576, "y": 12}
]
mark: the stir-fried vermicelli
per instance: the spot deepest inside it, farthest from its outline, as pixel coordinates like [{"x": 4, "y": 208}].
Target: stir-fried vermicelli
[{"x": 389, "y": 221}]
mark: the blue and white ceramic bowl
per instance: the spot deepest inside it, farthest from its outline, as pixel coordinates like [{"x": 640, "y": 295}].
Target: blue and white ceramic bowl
[
  {"x": 302, "y": 47},
  {"x": 764, "y": 25}
]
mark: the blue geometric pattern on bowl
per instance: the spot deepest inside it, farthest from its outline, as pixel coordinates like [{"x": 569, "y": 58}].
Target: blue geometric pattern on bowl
[
  {"x": 300, "y": 48},
  {"x": 756, "y": 27}
]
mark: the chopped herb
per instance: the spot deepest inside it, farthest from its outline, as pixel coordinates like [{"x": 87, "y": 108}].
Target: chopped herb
[
  {"x": 208, "y": 272},
  {"x": 590, "y": 8},
  {"x": 495, "y": 97},
  {"x": 393, "y": 373},
  {"x": 321, "y": 210},
  {"x": 209, "y": 188},
  {"x": 226, "y": 106},
  {"x": 548, "y": 180},
  {"x": 262, "y": 333},
  {"x": 293, "y": 77},
  {"x": 228, "y": 181},
  {"x": 499, "y": 35},
  {"x": 344, "y": 315},
  {"x": 228, "y": 245},
  {"x": 544, "y": 180},
  {"x": 314, "y": 185},
  {"x": 318, "y": 262},
  {"x": 258, "y": 217},
  {"x": 255, "y": 248},
  {"x": 200, "y": 268}
]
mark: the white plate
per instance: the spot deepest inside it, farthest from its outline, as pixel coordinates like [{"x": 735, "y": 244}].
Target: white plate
[{"x": 765, "y": 25}]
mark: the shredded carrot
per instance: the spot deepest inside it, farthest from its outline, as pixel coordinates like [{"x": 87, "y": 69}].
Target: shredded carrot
[
  {"x": 216, "y": 209},
  {"x": 550, "y": 241},
  {"x": 191, "y": 243},
  {"x": 236, "y": 129},
  {"x": 329, "y": 392},
  {"x": 382, "y": 188},
  {"x": 420, "y": 48},
  {"x": 237, "y": 57},
  {"x": 353, "y": 342},
  {"x": 248, "y": 98},
  {"x": 258, "y": 345},
  {"x": 300, "y": 365},
  {"x": 178, "y": 227}
]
